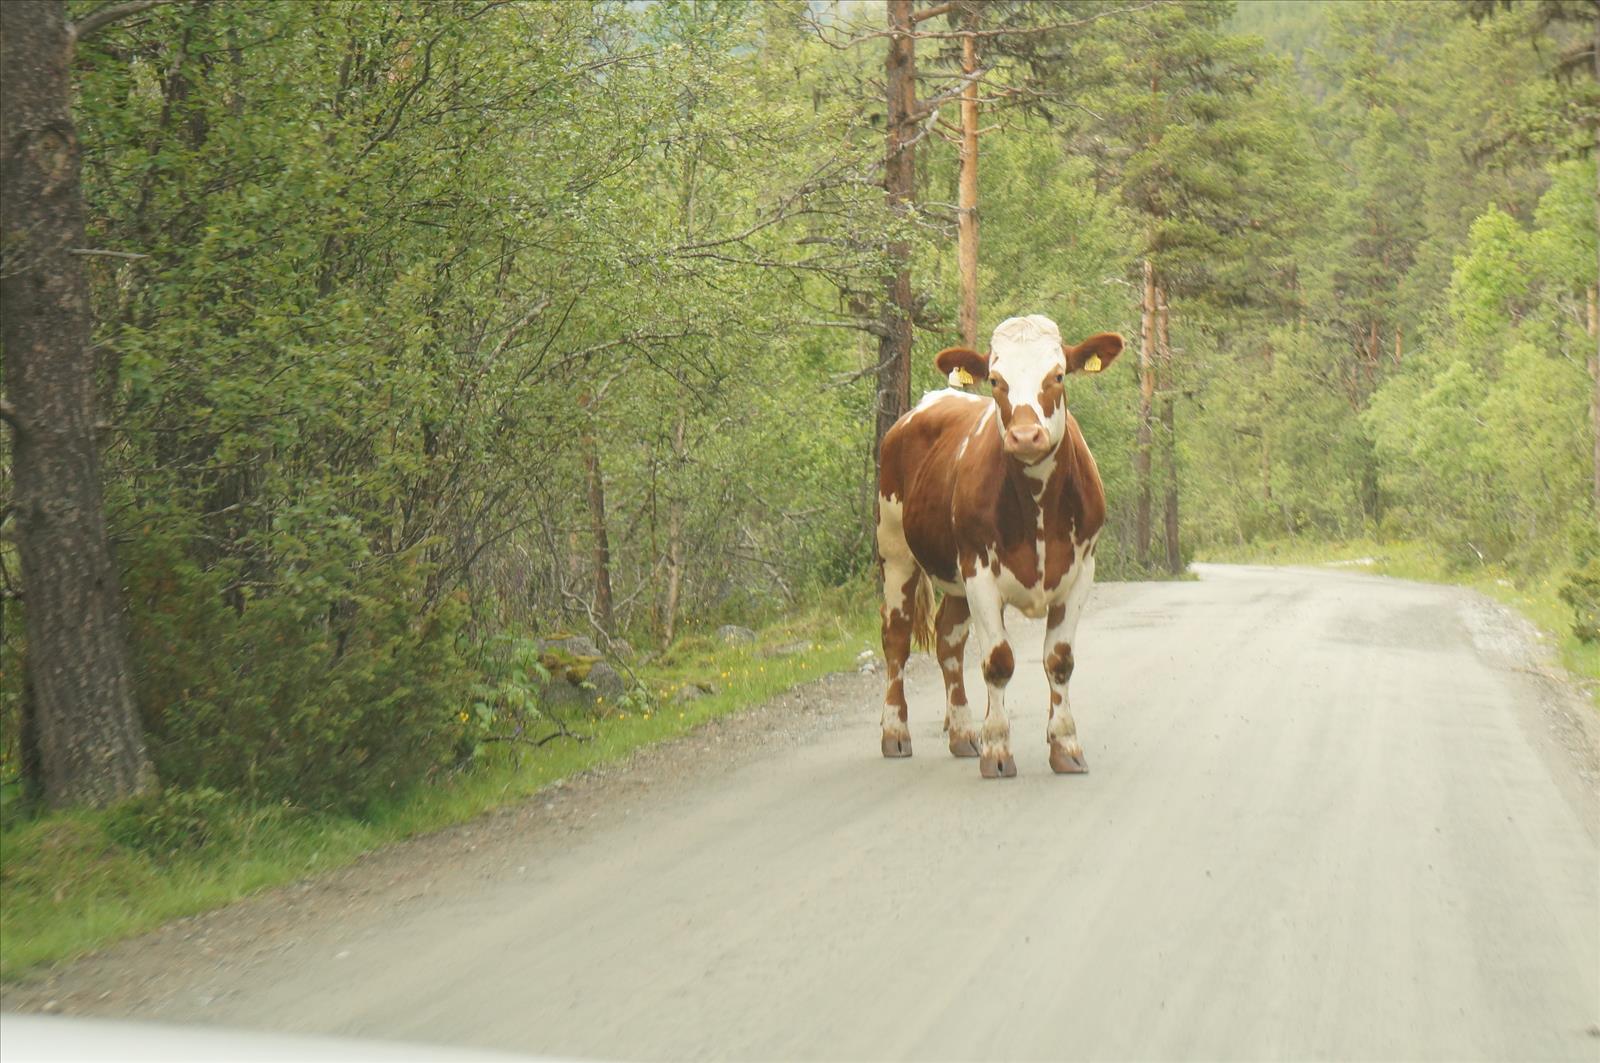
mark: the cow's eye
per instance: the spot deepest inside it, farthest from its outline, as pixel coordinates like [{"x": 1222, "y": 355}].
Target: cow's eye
[{"x": 1060, "y": 377}]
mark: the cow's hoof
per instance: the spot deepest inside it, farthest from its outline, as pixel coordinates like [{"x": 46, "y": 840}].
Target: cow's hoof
[
  {"x": 897, "y": 745},
  {"x": 963, "y": 745},
  {"x": 1067, "y": 760},
  {"x": 997, "y": 765}
]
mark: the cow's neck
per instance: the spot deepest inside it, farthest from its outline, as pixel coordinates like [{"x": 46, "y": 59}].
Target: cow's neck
[{"x": 1032, "y": 485}]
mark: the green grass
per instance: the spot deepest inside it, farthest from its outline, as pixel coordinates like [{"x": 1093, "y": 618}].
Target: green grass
[
  {"x": 67, "y": 887},
  {"x": 1533, "y": 596}
]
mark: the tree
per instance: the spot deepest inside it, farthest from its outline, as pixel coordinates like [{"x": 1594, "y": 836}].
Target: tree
[
  {"x": 1574, "y": 26},
  {"x": 1186, "y": 130},
  {"x": 1021, "y": 31},
  {"x": 967, "y": 200},
  {"x": 899, "y": 181},
  {"x": 89, "y": 746}
]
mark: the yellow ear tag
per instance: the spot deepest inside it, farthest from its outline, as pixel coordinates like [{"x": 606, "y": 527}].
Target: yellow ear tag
[
  {"x": 1093, "y": 364},
  {"x": 959, "y": 377}
]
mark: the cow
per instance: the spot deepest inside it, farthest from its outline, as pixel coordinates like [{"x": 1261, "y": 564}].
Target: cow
[{"x": 994, "y": 501}]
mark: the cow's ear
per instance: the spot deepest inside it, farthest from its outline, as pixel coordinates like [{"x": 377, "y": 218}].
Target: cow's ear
[
  {"x": 1094, "y": 353},
  {"x": 962, "y": 365}
]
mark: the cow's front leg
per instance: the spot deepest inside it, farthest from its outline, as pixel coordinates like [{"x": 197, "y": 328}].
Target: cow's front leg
[
  {"x": 952, "y": 626},
  {"x": 1066, "y": 755},
  {"x": 983, "y": 599}
]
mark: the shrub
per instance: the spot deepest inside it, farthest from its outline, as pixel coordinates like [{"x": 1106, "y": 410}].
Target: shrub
[
  {"x": 173, "y": 821},
  {"x": 331, "y": 691},
  {"x": 1582, "y": 587},
  {"x": 506, "y": 700}
]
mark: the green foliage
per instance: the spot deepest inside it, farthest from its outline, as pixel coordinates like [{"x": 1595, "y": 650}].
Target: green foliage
[
  {"x": 1434, "y": 384},
  {"x": 172, "y": 821},
  {"x": 1581, "y": 588},
  {"x": 506, "y": 701},
  {"x": 410, "y": 271},
  {"x": 1484, "y": 440},
  {"x": 1582, "y": 591},
  {"x": 332, "y": 693}
]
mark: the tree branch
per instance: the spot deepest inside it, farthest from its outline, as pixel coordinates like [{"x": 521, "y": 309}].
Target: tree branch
[
  {"x": 1018, "y": 31},
  {"x": 561, "y": 731},
  {"x": 106, "y": 14},
  {"x": 95, "y": 252},
  {"x": 932, "y": 12},
  {"x": 876, "y": 328}
]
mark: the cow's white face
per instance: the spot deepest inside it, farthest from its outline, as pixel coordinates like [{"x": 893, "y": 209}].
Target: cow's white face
[
  {"x": 1027, "y": 367},
  {"x": 1028, "y": 372}
]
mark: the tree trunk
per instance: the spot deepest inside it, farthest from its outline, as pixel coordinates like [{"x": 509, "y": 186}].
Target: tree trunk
[
  {"x": 1594, "y": 305},
  {"x": 1266, "y": 434},
  {"x": 90, "y": 747},
  {"x": 968, "y": 192},
  {"x": 1147, "y": 391},
  {"x": 1594, "y": 333},
  {"x": 1371, "y": 355},
  {"x": 680, "y": 426},
  {"x": 1170, "y": 495},
  {"x": 597, "y": 531},
  {"x": 669, "y": 611},
  {"x": 1169, "y": 437},
  {"x": 899, "y": 172},
  {"x": 1594, "y": 391}
]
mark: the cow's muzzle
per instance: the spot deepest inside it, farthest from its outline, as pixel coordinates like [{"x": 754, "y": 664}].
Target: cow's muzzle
[{"x": 1027, "y": 440}]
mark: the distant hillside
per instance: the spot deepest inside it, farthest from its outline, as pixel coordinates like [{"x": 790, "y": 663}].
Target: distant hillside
[{"x": 1293, "y": 28}]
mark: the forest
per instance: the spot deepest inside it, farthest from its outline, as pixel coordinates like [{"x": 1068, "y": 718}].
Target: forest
[{"x": 398, "y": 336}]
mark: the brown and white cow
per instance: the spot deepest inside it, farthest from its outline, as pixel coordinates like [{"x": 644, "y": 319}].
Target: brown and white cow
[{"x": 995, "y": 501}]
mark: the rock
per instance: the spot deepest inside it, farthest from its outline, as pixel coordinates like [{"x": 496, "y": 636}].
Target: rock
[
  {"x": 597, "y": 692},
  {"x": 735, "y": 633},
  {"x": 788, "y": 649},
  {"x": 622, "y": 648},
  {"x": 697, "y": 688},
  {"x": 572, "y": 645},
  {"x": 579, "y": 677}
]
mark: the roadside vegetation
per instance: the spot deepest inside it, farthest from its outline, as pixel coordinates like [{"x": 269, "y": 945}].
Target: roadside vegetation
[
  {"x": 357, "y": 352},
  {"x": 75, "y": 880}
]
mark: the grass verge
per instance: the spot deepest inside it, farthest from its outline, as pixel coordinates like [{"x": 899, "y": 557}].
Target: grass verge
[
  {"x": 1533, "y": 596},
  {"x": 71, "y": 882}
]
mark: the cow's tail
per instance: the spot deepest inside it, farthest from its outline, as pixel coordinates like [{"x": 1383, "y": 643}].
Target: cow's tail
[{"x": 922, "y": 612}]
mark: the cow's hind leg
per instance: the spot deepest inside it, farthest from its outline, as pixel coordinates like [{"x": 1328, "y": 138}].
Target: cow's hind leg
[
  {"x": 983, "y": 599},
  {"x": 952, "y": 626},
  {"x": 1066, "y": 754},
  {"x": 900, "y": 577}
]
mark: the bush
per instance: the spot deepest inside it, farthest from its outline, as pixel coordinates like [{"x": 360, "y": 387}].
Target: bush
[
  {"x": 1582, "y": 587},
  {"x": 332, "y": 691},
  {"x": 507, "y": 699},
  {"x": 173, "y": 821}
]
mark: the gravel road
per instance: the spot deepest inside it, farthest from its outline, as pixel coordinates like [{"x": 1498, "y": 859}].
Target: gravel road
[{"x": 1328, "y": 816}]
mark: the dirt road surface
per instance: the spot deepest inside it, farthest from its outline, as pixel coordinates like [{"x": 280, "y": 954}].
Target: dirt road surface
[{"x": 1327, "y": 816}]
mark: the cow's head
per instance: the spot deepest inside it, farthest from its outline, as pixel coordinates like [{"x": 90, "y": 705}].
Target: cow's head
[{"x": 1027, "y": 367}]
